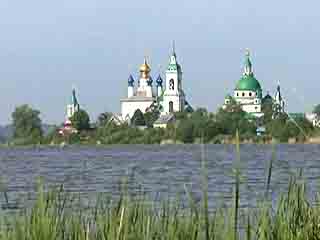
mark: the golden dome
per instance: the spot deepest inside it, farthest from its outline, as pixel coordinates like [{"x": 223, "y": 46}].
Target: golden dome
[{"x": 145, "y": 67}]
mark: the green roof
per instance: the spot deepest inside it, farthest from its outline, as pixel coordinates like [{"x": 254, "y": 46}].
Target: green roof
[
  {"x": 249, "y": 83},
  {"x": 174, "y": 67},
  {"x": 173, "y": 64}
]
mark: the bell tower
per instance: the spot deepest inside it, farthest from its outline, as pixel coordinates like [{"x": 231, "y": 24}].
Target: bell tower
[{"x": 174, "y": 98}]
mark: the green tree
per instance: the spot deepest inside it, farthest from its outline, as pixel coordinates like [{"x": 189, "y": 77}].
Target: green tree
[
  {"x": 27, "y": 123},
  {"x": 233, "y": 118},
  {"x": 283, "y": 128},
  {"x": 316, "y": 110},
  {"x": 104, "y": 118},
  {"x": 138, "y": 118},
  {"x": 267, "y": 109},
  {"x": 150, "y": 117},
  {"x": 185, "y": 131},
  {"x": 80, "y": 120}
]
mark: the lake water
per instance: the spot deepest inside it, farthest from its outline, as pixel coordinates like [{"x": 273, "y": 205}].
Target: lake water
[{"x": 161, "y": 171}]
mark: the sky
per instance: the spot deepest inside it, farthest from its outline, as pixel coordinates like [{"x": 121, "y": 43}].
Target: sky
[{"x": 46, "y": 47}]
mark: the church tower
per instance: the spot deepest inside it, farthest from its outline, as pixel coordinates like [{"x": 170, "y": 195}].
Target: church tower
[
  {"x": 279, "y": 103},
  {"x": 73, "y": 106},
  {"x": 173, "y": 98}
]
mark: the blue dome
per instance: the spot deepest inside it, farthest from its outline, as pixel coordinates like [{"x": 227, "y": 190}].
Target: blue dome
[
  {"x": 150, "y": 81},
  {"x": 130, "y": 80},
  {"x": 159, "y": 81}
]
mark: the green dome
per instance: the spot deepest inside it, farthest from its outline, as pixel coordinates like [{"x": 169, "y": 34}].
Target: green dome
[{"x": 248, "y": 83}]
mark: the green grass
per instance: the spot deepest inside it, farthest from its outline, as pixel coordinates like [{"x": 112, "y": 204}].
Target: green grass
[{"x": 55, "y": 216}]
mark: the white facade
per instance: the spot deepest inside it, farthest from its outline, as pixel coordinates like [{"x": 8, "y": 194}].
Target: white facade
[
  {"x": 249, "y": 101},
  {"x": 129, "y": 106},
  {"x": 130, "y": 91},
  {"x": 314, "y": 119},
  {"x": 140, "y": 98},
  {"x": 73, "y": 106},
  {"x": 159, "y": 91}
]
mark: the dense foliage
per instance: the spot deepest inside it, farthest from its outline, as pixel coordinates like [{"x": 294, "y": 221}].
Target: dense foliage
[
  {"x": 316, "y": 110},
  {"x": 27, "y": 125},
  {"x": 80, "y": 120},
  {"x": 138, "y": 119},
  {"x": 199, "y": 126}
]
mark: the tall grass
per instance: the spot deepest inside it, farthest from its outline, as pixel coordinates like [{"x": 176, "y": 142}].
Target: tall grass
[{"x": 54, "y": 216}]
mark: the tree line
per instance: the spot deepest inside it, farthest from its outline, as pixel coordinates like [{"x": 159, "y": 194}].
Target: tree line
[{"x": 199, "y": 126}]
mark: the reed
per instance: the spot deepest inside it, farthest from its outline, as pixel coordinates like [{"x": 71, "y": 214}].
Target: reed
[{"x": 134, "y": 217}]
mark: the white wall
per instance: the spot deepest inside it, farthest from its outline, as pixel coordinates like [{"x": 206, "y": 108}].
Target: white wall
[
  {"x": 251, "y": 108},
  {"x": 178, "y": 102},
  {"x": 129, "y": 107},
  {"x": 239, "y": 94}
]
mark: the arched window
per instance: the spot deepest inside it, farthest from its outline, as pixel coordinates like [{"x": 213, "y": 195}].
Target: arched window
[
  {"x": 170, "y": 106},
  {"x": 171, "y": 84}
]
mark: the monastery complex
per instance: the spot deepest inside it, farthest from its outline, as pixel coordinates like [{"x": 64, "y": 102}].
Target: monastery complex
[{"x": 166, "y": 95}]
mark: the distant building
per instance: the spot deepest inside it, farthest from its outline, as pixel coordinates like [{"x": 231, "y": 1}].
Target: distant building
[
  {"x": 261, "y": 131},
  {"x": 72, "y": 108},
  {"x": 278, "y": 103},
  {"x": 313, "y": 118},
  {"x": 167, "y": 99},
  {"x": 164, "y": 120},
  {"x": 73, "y": 105},
  {"x": 248, "y": 93}
]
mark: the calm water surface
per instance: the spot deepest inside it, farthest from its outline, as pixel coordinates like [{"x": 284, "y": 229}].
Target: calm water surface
[{"x": 161, "y": 171}]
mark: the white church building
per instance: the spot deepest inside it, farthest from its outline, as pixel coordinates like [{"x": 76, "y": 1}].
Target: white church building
[
  {"x": 248, "y": 93},
  {"x": 72, "y": 107},
  {"x": 169, "y": 98}
]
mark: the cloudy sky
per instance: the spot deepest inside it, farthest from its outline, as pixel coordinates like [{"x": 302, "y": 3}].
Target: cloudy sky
[{"x": 46, "y": 47}]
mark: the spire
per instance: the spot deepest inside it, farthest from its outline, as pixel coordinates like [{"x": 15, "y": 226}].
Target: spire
[
  {"x": 278, "y": 96},
  {"x": 173, "y": 58},
  {"x": 174, "y": 48},
  {"x": 74, "y": 100},
  {"x": 278, "y": 87}
]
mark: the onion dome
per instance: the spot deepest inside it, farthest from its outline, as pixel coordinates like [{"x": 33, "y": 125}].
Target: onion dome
[
  {"x": 267, "y": 99},
  {"x": 159, "y": 81},
  {"x": 130, "y": 81},
  {"x": 145, "y": 67},
  {"x": 248, "y": 82},
  {"x": 150, "y": 81}
]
